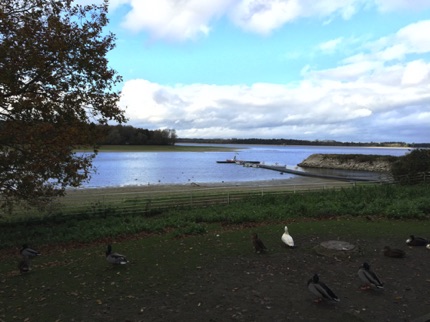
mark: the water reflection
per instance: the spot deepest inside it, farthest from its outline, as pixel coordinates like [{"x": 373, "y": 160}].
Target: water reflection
[{"x": 143, "y": 168}]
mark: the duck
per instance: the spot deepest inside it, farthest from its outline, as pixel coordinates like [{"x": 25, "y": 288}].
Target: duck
[
  {"x": 29, "y": 253},
  {"x": 394, "y": 252},
  {"x": 369, "y": 277},
  {"x": 318, "y": 288},
  {"x": 258, "y": 244},
  {"x": 24, "y": 265},
  {"x": 115, "y": 258},
  {"x": 416, "y": 241},
  {"x": 287, "y": 239}
]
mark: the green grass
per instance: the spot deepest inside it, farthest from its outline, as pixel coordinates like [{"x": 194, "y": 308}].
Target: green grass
[
  {"x": 110, "y": 221},
  {"x": 72, "y": 279},
  {"x": 79, "y": 284}
]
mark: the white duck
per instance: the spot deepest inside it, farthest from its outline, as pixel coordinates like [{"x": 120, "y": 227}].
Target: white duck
[
  {"x": 287, "y": 239},
  {"x": 115, "y": 258}
]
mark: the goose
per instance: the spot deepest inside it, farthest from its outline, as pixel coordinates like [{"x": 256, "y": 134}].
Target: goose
[
  {"x": 28, "y": 252},
  {"x": 258, "y": 244},
  {"x": 115, "y": 258},
  {"x": 394, "y": 252},
  {"x": 318, "y": 288},
  {"x": 369, "y": 277},
  {"x": 287, "y": 239},
  {"x": 416, "y": 241}
]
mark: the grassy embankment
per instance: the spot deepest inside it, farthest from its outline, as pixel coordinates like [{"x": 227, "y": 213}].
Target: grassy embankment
[
  {"x": 100, "y": 221},
  {"x": 73, "y": 281}
]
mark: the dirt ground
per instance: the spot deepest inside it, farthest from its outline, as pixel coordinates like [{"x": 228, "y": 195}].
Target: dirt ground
[{"x": 273, "y": 287}]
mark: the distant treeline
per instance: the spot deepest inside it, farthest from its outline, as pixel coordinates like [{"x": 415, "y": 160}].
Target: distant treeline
[
  {"x": 122, "y": 135},
  {"x": 303, "y": 142}
]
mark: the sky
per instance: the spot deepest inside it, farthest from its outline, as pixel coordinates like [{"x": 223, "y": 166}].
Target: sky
[{"x": 350, "y": 70}]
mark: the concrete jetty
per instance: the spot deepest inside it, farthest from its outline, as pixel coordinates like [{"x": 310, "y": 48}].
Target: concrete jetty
[{"x": 285, "y": 169}]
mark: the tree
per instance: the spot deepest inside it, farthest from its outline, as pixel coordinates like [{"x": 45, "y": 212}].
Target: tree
[
  {"x": 412, "y": 168},
  {"x": 55, "y": 86}
]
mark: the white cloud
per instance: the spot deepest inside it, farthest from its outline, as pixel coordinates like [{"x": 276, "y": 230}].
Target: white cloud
[
  {"x": 416, "y": 72},
  {"x": 171, "y": 19},
  {"x": 330, "y": 46},
  {"x": 267, "y": 110},
  {"x": 401, "y": 5}
]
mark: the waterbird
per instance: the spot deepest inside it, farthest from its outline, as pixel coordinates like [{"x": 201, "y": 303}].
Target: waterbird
[
  {"x": 115, "y": 258},
  {"x": 29, "y": 253},
  {"x": 394, "y": 252},
  {"x": 24, "y": 265},
  {"x": 258, "y": 244},
  {"x": 318, "y": 288},
  {"x": 416, "y": 241},
  {"x": 369, "y": 277},
  {"x": 287, "y": 239}
]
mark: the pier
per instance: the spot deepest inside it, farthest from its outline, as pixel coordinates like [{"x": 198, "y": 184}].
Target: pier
[{"x": 332, "y": 174}]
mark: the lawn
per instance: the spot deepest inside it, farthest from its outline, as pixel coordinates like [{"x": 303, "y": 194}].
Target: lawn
[{"x": 197, "y": 269}]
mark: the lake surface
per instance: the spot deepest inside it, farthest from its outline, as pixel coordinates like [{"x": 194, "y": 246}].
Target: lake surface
[{"x": 117, "y": 169}]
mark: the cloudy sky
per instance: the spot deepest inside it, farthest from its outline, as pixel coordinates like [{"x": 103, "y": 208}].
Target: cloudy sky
[{"x": 351, "y": 70}]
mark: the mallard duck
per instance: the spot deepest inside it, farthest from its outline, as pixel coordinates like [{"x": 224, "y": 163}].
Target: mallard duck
[
  {"x": 369, "y": 277},
  {"x": 321, "y": 290},
  {"x": 416, "y": 241},
  {"x": 24, "y": 265},
  {"x": 258, "y": 244},
  {"x": 28, "y": 252},
  {"x": 115, "y": 258},
  {"x": 394, "y": 252},
  {"x": 287, "y": 239}
]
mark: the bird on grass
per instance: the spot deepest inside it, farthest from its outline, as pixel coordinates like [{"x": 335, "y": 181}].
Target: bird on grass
[
  {"x": 394, "y": 252},
  {"x": 27, "y": 252},
  {"x": 416, "y": 241},
  {"x": 318, "y": 288},
  {"x": 24, "y": 265},
  {"x": 258, "y": 244},
  {"x": 287, "y": 239},
  {"x": 115, "y": 258},
  {"x": 369, "y": 277}
]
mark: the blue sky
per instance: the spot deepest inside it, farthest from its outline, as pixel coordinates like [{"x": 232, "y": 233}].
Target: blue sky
[{"x": 351, "y": 70}]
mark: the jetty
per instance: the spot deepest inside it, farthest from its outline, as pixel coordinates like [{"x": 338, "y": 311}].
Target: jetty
[
  {"x": 284, "y": 169},
  {"x": 333, "y": 174},
  {"x": 240, "y": 162}
]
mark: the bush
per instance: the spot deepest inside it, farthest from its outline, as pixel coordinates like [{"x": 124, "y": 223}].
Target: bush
[{"x": 412, "y": 168}]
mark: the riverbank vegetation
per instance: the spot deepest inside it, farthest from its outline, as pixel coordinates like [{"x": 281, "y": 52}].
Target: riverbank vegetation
[{"x": 107, "y": 220}]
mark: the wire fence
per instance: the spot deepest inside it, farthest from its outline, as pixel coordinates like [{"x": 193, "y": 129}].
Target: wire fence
[
  {"x": 124, "y": 201},
  {"x": 102, "y": 202}
]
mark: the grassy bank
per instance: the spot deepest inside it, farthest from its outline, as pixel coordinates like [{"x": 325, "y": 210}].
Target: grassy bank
[
  {"x": 101, "y": 221},
  {"x": 177, "y": 255}
]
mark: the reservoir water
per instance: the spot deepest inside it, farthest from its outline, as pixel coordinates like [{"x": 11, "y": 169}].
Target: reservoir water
[{"x": 117, "y": 169}]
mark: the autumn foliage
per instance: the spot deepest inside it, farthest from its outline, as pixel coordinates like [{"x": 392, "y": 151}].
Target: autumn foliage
[{"x": 55, "y": 87}]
